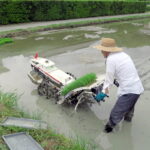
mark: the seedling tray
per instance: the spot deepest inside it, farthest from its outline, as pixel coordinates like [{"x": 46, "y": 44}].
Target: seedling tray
[
  {"x": 21, "y": 141},
  {"x": 25, "y": 123}
]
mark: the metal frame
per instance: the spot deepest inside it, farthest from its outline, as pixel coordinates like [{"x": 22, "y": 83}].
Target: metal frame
[
  {"x": 21, "y": 133},
  {"x": 24, "y": 119}
]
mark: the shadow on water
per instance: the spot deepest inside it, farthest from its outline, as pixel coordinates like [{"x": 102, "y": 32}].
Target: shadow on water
[{"x": 71, "y": 50}]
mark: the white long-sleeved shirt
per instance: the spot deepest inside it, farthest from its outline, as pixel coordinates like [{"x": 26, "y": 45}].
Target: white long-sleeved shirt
[{"x": 121, "y": 67}]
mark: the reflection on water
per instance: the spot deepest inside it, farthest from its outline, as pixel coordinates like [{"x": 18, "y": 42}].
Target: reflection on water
[
  {"x": 129, "y": 35},
  {"x": 71, "y": 50}
]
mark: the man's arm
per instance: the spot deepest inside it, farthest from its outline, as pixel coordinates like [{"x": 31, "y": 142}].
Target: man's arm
[{"x": 109, "y": 78}]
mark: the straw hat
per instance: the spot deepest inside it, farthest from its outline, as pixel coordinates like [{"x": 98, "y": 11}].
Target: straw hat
[{"x": 108, "y": 45}]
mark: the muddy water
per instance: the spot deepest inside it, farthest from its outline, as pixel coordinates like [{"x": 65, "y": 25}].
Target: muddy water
[{"x": 72, "y": 51}]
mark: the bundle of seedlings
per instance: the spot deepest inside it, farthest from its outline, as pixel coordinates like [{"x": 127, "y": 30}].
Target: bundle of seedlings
[
  {"x": 5, "y": 40},
  {"x": 85, "y": 80}
]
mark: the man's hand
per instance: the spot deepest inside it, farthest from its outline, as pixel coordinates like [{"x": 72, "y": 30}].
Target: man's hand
[{"x": 100, "y": 96}]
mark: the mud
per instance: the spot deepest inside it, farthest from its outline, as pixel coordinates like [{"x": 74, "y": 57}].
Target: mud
[{"x": 76, "y": 55}]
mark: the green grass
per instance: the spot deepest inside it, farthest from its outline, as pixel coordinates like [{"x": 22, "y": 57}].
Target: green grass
[
  {"x": 79, "y": 0},
  {"x": 8, "y": 99},
  {"x": 48, "y": 139},
  {"x": 5, "y": 40},
  {"x": 105, "y": 0},
  {"x": 8, "y": 106},
  {"x": 81, "y": 82},
  {"x": 88, "y": 22},
  {"x": 148, "y": 8}
]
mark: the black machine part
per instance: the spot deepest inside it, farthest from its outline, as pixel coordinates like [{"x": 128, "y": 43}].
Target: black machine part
[
  {"x": 97, "y": 89},
  {"x": 116, "y": 83}
]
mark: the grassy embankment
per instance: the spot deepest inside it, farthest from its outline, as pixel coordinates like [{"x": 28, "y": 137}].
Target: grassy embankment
[
  {"x": 148, "y": 8},
  {"x": 48, "y": 139},
  {"x": 18, "y": 32}
]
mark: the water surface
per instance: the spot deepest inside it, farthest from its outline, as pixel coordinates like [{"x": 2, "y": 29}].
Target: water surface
[{"x": 71, "y": 50}]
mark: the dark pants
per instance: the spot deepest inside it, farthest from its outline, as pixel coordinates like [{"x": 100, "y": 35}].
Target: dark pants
[{"x": 124, "y": 107}]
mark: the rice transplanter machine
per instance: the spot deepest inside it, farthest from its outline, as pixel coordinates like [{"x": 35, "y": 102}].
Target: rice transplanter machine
[{"x": 63, "y": 86}]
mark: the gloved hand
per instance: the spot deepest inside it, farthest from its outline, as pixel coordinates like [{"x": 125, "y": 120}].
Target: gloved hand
[{"x": 100, "y": 96}]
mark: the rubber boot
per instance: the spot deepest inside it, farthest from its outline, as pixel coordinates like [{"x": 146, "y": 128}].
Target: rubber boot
[
  {"x": 108, "y": 128},
  {"x": 128, "y": 118}
]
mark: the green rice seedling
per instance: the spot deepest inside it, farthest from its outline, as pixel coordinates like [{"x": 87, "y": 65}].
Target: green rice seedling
[
  {"x": 5, "y": 40},
  {"x": 81, "y": 82}
]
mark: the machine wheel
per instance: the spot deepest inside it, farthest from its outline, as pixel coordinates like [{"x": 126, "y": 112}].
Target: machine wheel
[
  {"x": 71, "y": 75},
  {"x": 49, "y": 93},
  {"x": 42, "y": 89}
]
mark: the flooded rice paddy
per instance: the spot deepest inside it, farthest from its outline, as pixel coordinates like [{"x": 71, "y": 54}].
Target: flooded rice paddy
[{"x": 71, "y": 50}]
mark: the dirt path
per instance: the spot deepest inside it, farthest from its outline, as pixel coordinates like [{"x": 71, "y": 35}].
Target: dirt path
[{"x": 36, "y": 24}]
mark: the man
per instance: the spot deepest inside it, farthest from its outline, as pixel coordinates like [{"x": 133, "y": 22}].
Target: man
[{"x": 119, "y": 66}]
